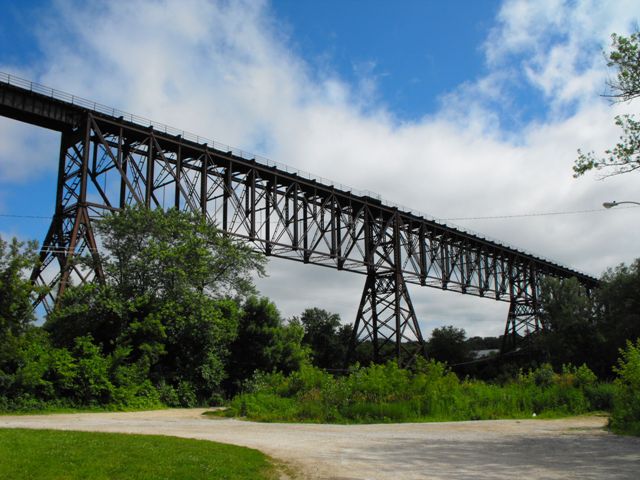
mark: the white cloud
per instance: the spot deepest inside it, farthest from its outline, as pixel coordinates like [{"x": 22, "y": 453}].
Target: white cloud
[
  {"x": 25, "y": 151},
  {"x": 224, "y": 70},
  {"x": 558, "y": 43}
]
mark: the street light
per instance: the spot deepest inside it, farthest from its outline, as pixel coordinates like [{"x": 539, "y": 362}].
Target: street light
[{"x": 615, "y": 204}]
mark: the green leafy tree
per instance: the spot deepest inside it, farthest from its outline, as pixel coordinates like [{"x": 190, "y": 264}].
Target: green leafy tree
[
  {"x": 625, "y": 416},
  {"x": 16, "y": 290},
  {"x": 447, "y": 344},
  {"x": 24, "y": 350},
  {"x": 264, "y": 343},
  {"x": 162, "y": 254},
  {"x": 165, "y": 311},
  {"x": 327, "y": 338},
  {"x": 484, "y": 343},
  {"x": 624, "y": 157},
  {"x": 578, "y": 325},
  {"x": 199, "y": 332},
  {"x": 571, "y": 333},
  {"x": 618, "y": 299}
]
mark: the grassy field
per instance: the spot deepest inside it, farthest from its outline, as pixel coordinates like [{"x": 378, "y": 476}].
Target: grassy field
[{"x": 48, "y": 454}]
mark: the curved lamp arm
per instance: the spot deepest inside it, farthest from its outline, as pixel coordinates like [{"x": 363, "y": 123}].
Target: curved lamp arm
[{"x": 615, "y": 204}]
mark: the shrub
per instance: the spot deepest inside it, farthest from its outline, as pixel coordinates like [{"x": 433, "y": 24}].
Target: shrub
[
  {"x": 386, "y": 393},
  {"x": 625, "y": 416},
  {"x": 264, "y": 407}
]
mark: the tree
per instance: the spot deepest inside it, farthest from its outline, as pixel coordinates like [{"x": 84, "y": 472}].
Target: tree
[
  {"x": 16, "y": 291},
  {"x": 618, "y": 299},
  {"x": 264, "y": 343},
  {"x": 570, "y": 318},
  {"x": 625, "y": 416},
  {"x": 447, "y": 344},
  {"x": 23, "y": 350},
  {"x": 624, "y": 157},
  {"x": 484, "y": 343},
  {"x": 165, "y": 253},
  {"x": 165, "y": 311},
  {"x": 577, "y": 325},
  {"x": 327, "y": 338}
]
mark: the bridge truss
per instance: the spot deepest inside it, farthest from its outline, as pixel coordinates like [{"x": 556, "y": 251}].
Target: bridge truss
[{"x": 108, "y": 161}]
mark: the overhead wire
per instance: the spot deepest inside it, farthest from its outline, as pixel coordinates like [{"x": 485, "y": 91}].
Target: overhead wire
[
  {"x": 535, "y": 214},
  {"x": 451, "y": 219}
]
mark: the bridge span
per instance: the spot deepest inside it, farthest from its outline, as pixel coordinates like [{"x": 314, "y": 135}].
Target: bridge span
[{"x": 110, "y": 159}]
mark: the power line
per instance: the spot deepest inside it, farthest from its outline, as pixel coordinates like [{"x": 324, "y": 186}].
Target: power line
[
  {"x": 538, "y": 214},
  {"x": 453, "y": 219}
]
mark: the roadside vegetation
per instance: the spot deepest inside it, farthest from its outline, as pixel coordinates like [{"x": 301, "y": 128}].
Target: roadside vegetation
[
  {"x": 625, "y": 416},
  {"x": 47, "y": 454},
  {"x": 429, "y": 392}
]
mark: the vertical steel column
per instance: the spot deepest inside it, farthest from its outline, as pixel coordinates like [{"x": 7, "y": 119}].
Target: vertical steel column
[
  {"x": 399, "y": 285},
  {"x": 176, "y": 200},
  {"x": 149, "y": 180},
  {"x": 386, "y": 316},
  {"x": 204, "y": 177},
  {"x": 226, "y": 194},
  {"x": 296, "y": 209},
  {"x": 51, "y": 249},
  {"x": 252, "y": 200},
  {"x": 522, "y": 320},
  {"x": 70, "y": 232},
  {"x": 122, "y": 159},
  {"x": 267, "y": 216},
  {"x": 306, "y": 254}
]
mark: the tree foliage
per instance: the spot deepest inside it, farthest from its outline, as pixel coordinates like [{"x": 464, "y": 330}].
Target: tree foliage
[
  {"x": 571, "y": 326},
  {"x": 625, "y": 416},
  {"x": 16, "y": 291},
  {"x": 618, "y": 303},
  {"x": 624, "y": 157},
  {"x": 263, "y": 343},
  {"x": 167, "y": 311},
  {"x": 577, "y": 324},
  {"x": 447, "y": 344},
  {"x": 326, "y": 337},
  {"x": 162, "y": 254}
]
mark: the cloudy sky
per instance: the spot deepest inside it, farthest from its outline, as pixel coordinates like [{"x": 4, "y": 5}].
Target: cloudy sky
[{"x": 462, "y": 109}]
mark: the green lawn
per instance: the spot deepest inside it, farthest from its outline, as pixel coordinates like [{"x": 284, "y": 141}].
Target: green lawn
[{"x": 48, "y": 454}]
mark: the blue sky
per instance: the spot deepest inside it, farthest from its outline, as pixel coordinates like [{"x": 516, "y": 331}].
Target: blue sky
[
  {"x": 416, "y": 50},
  {"x": 457, "y": 109}
]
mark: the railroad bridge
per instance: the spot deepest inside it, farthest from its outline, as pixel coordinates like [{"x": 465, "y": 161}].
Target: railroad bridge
[{"x": 110, "y": 159}]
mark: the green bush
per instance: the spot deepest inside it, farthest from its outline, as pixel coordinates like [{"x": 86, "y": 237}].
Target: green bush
[
  {"x": 625, "y": 416},
  {"x": 264, "y": 407},
  {"x": 600, "y": 396},
  {"x": 386, "y": 393}
]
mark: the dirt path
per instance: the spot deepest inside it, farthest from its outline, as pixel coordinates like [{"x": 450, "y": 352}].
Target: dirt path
[{"x": 575, "y": 448}]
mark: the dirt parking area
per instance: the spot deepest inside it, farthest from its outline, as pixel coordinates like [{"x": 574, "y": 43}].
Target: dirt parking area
[{"x": 574, "y": 448}]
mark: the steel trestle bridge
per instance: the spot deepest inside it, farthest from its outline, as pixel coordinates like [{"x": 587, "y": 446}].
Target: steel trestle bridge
[{"x": 109, "y": 160}]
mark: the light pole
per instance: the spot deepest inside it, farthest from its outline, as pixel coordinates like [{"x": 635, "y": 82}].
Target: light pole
[{"x": 615, "y": 204}]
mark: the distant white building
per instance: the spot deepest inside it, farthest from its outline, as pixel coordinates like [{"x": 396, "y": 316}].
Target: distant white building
[{"x": 489, "y": 352}]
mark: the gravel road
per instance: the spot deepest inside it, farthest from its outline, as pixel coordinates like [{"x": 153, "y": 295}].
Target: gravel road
[{"x": 574, "y": 448}]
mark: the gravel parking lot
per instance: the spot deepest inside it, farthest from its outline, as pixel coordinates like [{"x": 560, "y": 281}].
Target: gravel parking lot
[{"x": 571, "y": 448}]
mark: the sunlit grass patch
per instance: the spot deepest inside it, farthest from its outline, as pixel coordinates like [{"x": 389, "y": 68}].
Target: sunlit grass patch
[{"x": 49, "y": 454}]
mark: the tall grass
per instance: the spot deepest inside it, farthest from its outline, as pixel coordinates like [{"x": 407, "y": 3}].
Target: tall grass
[{"x": 386, "y": 393}]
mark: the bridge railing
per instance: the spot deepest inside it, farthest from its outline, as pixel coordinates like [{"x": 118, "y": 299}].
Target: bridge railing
[{"x": 160, "y": 127}]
